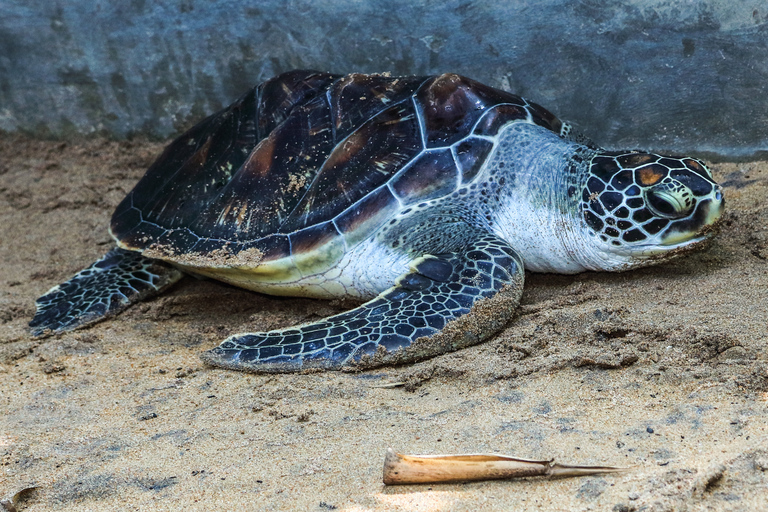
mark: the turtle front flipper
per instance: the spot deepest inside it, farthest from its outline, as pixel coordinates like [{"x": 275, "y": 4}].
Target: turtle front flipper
[
  {"x": 107, "y": 287},
  {"x": 444, "y": 303}
]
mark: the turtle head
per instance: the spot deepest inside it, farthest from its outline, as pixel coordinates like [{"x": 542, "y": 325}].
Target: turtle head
[{"x": 643, "y": 207}]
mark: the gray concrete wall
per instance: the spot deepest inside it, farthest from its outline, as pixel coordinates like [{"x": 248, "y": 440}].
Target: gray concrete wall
[{"x": 675, "y": 75}]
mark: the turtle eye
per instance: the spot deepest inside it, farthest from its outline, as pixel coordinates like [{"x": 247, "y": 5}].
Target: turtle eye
[{"x": 667, "y": 204}]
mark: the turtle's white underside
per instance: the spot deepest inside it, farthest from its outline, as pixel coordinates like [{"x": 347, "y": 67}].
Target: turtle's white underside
[{"x": 363, "y": 272}]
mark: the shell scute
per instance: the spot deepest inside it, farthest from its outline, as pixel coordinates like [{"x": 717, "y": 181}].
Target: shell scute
[
  {"x": 366, "y": 159},
  {"x": 363, "y": 217},
  {"x": 356, "y": 98},
  {"x": 471, "y": 154},
  {"x": 142, "y": 236},
  {"x": 452, "y": 104},
  {"x": 433, "y": 174},
  {"x": 260, "y": 196},
  {"x": 177, "y": 184},
  {"x": 223, "y": 192},
  {"x": 177, "y": 240},
  {"x": 274, "y": 247},
  {"x": 126, "y": 218},
  {"x": 496, "y": 117},
  {"x": 279, "y": 95}
]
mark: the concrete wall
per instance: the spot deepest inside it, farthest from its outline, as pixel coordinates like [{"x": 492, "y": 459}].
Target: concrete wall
[{"x": 682, "y": 75}]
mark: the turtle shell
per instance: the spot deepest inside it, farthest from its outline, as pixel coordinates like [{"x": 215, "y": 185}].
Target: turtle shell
[{"x": 311, "y": 161}]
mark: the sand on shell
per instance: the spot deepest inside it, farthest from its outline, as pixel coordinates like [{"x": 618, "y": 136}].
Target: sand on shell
[{"x": 663, "y": 370}]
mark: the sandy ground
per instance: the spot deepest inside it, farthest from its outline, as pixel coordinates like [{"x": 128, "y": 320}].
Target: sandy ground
[{"x": 662, "y": 370}]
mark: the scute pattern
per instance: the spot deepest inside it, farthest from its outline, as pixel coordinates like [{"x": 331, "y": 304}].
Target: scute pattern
[
  {"x": 356, "y": 98},
  {"x": 280, "y": 168},
  {"x": 432, "y": 175},
  {"x": 304, "y": 148},
  {"x": 471, "y": 154},
  {"x": 278, "y": 96},
  {"x": 367, "y": 214},
  {"x": 368, "y": 157}
]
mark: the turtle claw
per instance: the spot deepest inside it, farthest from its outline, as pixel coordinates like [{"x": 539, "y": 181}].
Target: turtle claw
[{"x": 107, "y": 287}]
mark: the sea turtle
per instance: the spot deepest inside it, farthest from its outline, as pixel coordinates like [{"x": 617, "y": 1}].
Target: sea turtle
[{"x": 425, "y": 196}]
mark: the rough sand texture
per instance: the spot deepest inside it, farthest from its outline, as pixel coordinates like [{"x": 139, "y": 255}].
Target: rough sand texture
[{"x": 663, "y": 370}]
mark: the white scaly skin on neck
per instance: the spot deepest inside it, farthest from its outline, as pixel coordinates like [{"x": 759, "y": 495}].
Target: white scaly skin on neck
[{"x": 535, "y": 214}]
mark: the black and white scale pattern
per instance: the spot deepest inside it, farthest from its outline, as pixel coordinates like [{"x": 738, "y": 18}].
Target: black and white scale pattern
[
  {"x": 440, "y": 289},
  {"x": 107, "y": 287},
  {"x": 632, "y": 197}
]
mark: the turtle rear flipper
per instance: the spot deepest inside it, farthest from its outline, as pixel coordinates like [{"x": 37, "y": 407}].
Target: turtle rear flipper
[
  {"x": 107, "y": 287},
  {"x": 435, "y": 308}
]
